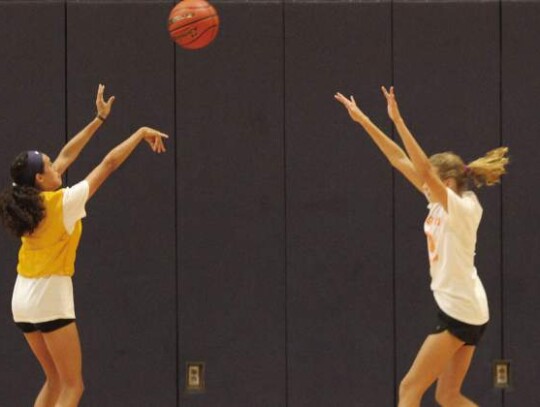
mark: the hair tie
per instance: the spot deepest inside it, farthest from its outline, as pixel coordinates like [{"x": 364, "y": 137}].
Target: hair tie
[{"x": 467, "y": 169}]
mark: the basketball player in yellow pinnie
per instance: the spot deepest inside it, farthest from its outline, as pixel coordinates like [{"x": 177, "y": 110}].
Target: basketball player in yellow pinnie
[{"x": 47, "y": 218}]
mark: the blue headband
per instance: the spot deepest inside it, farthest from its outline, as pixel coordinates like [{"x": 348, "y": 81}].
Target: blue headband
[{"x": 34, "y": 165}]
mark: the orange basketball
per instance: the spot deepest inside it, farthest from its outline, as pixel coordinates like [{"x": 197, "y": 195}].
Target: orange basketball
[{"x": 193, "y": 24}]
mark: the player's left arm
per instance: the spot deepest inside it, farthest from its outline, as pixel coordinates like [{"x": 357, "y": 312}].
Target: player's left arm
[
  {"x": 73, "y": 148},
  {"x": 426, "y": 172}
]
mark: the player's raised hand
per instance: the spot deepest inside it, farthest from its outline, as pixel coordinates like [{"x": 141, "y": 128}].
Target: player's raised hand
[
  {"x": 154, "y": 138},
  {"x": 393, "y": 109},
  {"x": 103, "y": 107},
  {"x": 350, "y": 104}
]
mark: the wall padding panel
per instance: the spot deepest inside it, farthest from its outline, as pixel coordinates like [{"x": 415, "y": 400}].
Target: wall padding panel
[
  {"x": 231, "y": 216},
  {"x": 33, "y": 117},
  {"x": 447, "y": 80},
  {"x": 272, "y": 241},
  {"x": 125, "y": 282},
  {"x": 339, "y": 208},
  {"x": 521, "y": 85}
]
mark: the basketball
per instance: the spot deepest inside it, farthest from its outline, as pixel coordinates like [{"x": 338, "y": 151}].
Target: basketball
[{"x": 193, "y": 24}]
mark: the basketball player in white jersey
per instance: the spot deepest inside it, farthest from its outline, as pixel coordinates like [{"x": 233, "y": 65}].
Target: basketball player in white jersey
[{"x": 451, "y": 228}]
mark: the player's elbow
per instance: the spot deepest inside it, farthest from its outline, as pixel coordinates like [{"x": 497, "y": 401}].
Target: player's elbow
[
  {"x": 110, "y": 164},
  {"x": 394, "y": 162},
  {"x": 399, "y": 163}
]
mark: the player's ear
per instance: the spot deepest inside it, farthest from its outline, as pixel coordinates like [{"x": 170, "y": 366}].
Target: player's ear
[{"x": 38, "y": 180}]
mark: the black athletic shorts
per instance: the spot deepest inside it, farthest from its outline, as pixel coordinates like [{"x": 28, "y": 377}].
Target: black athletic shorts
[
  {"x": 470, "y": 334},
  {"x": 44, "y": 327}
]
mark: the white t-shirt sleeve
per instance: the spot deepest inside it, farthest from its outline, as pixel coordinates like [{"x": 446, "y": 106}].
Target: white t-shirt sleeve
[
  {"x": 463, "y": 211},
  {"x": 74, "y": 203}
]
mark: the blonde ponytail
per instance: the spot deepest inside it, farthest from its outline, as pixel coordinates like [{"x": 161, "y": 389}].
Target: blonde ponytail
[{"x": 488, "y": 169}]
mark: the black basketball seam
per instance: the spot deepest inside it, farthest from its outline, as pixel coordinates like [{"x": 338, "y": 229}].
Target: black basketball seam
[
  {"x": 193, "y": 22},
  {"x": 202, "y": 33},
  {"x": 194, "y": 8},
  {"x": 187, "y": 33}
]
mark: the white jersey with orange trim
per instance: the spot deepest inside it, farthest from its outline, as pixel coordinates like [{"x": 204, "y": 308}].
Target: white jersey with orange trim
[{"x": 451, "y": 237}]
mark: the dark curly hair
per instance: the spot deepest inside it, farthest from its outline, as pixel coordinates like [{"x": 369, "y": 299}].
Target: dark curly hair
[{"x": 21, "y": 206}]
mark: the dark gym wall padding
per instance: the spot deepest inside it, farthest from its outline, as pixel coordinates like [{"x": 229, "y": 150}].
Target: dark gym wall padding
[
  {"x": 339, "y": 208},
  {"x": 126, "y": 277},
  {"x": 521, "y": 87},
  {"x": 231, "y": 210},
  {"x": 126, "y": 2},
  {"x": 33, "y": 117},
  {"x": 262, "y": 243},
  {"x": 447, "y": 80}
]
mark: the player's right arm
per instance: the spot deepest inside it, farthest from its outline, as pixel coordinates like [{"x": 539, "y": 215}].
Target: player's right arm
[
  {"x": 394, "y": 153},
  {"x": 73, "y": 148},
  {"x": 120, "y": 153}
]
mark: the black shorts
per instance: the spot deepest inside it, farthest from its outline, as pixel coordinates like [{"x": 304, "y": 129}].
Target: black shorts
[
  {"x": 44, "y": 327},
  {"x": 470, "y": 334}
]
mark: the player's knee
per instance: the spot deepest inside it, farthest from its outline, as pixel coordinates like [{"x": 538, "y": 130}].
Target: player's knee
[
  {"x": 443, "y": 397},
  {"x": 77, "y": 387},
  {"x": 52, "y": 377},
  {"x": 53, "y": 383},
  {"x": 447, "y": 397},
  {"x": 449, "y": 400},
  {"x": 74, "y": 383}
]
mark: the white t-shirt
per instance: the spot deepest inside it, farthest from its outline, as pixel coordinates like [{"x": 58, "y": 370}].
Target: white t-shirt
[
  {"x": 43, "y": 299},
  {"x": 451, "y": 236}
]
